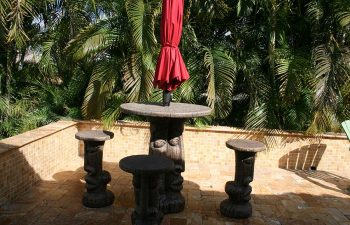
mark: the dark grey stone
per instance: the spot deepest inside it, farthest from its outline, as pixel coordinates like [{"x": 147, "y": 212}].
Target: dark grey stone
[
  {"x": 146, "y": 164},
  {"x": 96, "y": 195},
  {"x": 175, "y": 110},
  {"x": 239, "y": 190},
  {"x": 166, "y": 139},
  {"x": 94, "y": 135},
  {"x": 167, "y": 126},
  {"x": 146, "y": 170},
  {"x": 245, "y": 145}
]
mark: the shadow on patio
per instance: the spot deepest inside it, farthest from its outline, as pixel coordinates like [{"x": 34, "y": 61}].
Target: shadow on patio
[
  {"x": 304, "y": 162},
  {"x": 280, "y": 197}
]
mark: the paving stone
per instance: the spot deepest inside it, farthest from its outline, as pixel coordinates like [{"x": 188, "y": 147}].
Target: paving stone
[{"x": 279, "y": 197}]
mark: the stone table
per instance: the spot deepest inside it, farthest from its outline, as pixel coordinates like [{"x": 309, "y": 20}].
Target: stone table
[
  {"x": 239, "y": 190},
  {"x": 96, "y": 195},
  {"x": 167, "y": 126}
]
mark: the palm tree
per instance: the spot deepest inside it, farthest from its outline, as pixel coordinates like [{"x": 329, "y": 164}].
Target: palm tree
[
  {"x": 280, "y": 64},
  {"x": 14, "y": 26},
  {"x": 331, "y": 60},
  {"x": 121, "y": 47}
]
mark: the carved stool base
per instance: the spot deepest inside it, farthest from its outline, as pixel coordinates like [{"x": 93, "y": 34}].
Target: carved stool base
[
  {"x": 98, "y": 200},
  {"x": 239, "y": 190},
  {"x": 155, "y": 219},
  {"x": 96, "y": 195},
  {"x": 235, "y": 210},
  {"x": 171, "y": 203}
]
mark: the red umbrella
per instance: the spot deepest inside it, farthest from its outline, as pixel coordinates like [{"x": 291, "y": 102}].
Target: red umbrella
[{"x": 171, "y": 70}]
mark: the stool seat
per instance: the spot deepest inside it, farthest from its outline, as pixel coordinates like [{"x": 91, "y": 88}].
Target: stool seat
[
  {"x": 146, "y": 164},
  {"x": 94, "y": 135},
  {"x": 245, "y": 145},
  {"x": 146, "y": 170}
]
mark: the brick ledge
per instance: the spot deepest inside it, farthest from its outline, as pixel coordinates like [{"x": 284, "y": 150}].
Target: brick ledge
[
  {"x": 230, "y": 130},
  {"x": 31, "y": 136}
]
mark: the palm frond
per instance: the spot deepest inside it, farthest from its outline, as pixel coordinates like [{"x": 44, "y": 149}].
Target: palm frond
[
  {"x": 257, "y": 117},
  {"x": 210, "y": 9},
  {"x": 92, "y": 40},
  {"x": 325, "y": 94},
  {"x": 99, "y": 89},
  {"x": 47, "y": 64},
  {"x": 113, "y": 112},
  {"x": 192, "y": 90},
  {"x": 344, "y": 18},
  {"x": 315, "y": 12},
  {"x": 4, "y": 6},
  {"x": 4, "y": 107},
  {"x": 138, "y": 77},
  {"x": 342, "y": 12},
  {"x": 157, "y": 95},
  {"x": 142, "y": 18},
  {"x": 221, "y": 79},
  {"x": 293, "y": 71},
  {"x": 18, "y": 12},
  {"x": 331, "y": 70}
]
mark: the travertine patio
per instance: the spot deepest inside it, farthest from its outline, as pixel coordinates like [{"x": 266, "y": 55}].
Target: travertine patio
[
  {"x": 279, "y": 197},
  {"x": 42, "y": 179}
]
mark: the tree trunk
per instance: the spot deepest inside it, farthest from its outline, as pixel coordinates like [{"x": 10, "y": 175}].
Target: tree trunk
[
  {"x": 272, "y": 61},
  {"x": 8, "y": 77}
]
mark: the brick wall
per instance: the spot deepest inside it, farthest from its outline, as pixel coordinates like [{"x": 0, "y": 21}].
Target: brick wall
[
  {"x": 39, "y": 154},
  {"x": 207, "y": 145},
  {"x": 35, "y": 155}
]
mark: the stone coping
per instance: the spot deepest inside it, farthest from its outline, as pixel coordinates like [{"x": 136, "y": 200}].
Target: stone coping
[
  {"x": 50, "y": 129},
  {"x": 227, "y": 130},
  {"x": 31, "y": 136}
]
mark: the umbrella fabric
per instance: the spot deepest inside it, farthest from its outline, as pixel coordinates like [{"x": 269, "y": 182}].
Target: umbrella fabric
[{"x": 171, "y": 70}]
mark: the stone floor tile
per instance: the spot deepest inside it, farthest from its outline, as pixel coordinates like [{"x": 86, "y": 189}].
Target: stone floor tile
[
  {"x": 279, "y": 197},
  {"x": 337, "y": 215}
]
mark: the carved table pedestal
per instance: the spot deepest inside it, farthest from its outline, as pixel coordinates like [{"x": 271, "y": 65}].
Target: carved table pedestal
[
  {"x": 167, "y": 126},
  {"x": 96, "y": 195},
  {"x": 238, "y": 205}
]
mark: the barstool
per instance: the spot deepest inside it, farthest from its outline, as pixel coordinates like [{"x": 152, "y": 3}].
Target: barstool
[
  {"x": 239, "y": 190},
  {"x": 96, "y": 195},
  {"x": 146, "y": 170}
]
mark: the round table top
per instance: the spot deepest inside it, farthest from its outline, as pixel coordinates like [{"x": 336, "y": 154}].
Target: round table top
[
  {"x": 94, "y": 135},
  {"x": 146, "y": 164},
  {"x": 175, "y": 110},
  {"x": 245, "y": 145}
]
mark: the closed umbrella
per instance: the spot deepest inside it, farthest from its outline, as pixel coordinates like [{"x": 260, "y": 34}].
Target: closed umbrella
[{"x": 171, "y": 70}]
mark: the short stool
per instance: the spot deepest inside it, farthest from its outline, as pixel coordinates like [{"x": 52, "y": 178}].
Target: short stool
[
  {"x": 146, "y": 170},
  {"x": 239, "y": 190},
  {"x": 96, "y": 195}
]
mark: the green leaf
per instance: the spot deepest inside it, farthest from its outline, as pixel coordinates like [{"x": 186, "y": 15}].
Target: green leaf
[
  {"x": 221, "y": 78},
  {"x": 99, "y": 90}
]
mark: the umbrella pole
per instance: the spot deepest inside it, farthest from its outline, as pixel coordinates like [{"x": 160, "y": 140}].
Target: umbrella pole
[{"x": 166, "y": 98}]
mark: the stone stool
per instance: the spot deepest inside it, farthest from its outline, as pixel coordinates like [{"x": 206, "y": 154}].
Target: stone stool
[
  {"x": 96, "y": 195},
  {"x": 238, "y": 205},
  {"x": 146, "y": 170}
]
